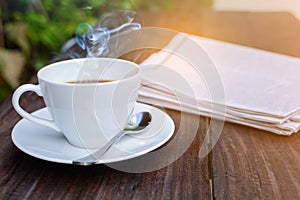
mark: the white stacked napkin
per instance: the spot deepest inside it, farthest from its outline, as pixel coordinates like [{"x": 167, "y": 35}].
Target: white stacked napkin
[{"x": 262, "y": 89}]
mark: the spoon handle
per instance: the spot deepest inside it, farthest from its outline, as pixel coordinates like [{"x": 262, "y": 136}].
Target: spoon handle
[{"x": 94, "y": 157}]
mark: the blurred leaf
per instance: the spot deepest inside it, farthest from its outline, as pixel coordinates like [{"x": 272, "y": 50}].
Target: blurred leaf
[
  {"x": 36, "y": 25},
  {"x": 17, "y": 33},
  {"x": 12, "y": 63},
  {"x": 41, "y": 61}
]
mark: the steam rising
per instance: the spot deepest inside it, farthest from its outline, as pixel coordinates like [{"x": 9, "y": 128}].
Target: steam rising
[{"x": 95, "y": 40}]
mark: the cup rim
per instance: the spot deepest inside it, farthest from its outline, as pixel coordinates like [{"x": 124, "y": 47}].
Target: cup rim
[{"x": 40, "y": 77}]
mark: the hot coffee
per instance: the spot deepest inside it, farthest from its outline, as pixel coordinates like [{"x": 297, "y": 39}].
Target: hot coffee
[
  {"x": 87, "y": 115},
  {"x": 90, "y": 81}
]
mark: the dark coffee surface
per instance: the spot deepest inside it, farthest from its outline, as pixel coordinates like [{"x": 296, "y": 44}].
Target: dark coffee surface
[{"x": 90, "y": 81}]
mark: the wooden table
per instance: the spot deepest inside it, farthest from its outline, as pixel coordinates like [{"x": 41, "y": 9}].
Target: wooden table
[{"x": 246, "y": 163}]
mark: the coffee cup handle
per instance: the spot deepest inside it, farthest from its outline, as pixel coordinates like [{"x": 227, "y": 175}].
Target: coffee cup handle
[{"x": 15, "y": 101}]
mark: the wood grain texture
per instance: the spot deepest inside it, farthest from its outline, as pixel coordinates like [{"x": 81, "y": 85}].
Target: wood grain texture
[
  {"x": 25, "y": 177},
  {"x": 272, "y": 31},
  {"x": 253, "y": 164}
]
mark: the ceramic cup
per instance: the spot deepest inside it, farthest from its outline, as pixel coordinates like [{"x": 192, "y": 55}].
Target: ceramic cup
[{"x": 85, "y": 110}]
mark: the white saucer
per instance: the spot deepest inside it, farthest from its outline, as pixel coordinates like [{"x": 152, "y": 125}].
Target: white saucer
[{"x": 44, "y": 143}]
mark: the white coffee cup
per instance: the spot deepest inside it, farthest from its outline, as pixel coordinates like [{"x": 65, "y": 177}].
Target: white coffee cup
[{"x": 87, "y": 114}]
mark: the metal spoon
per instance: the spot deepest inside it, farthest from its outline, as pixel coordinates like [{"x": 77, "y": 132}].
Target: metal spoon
[{"x": 137, "y": 123}]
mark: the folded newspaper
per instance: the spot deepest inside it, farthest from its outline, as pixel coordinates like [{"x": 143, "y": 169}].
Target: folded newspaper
[{"x": 261, "y": 89}]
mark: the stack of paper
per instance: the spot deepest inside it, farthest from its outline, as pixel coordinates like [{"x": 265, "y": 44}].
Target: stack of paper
[{"x": 217, "y": 79}]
